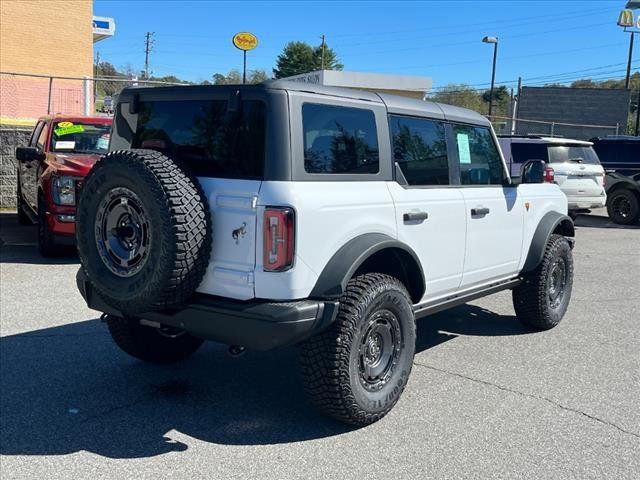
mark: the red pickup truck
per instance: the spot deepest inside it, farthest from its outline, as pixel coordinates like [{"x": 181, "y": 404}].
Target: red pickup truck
[{"x": 61, "y": 151}]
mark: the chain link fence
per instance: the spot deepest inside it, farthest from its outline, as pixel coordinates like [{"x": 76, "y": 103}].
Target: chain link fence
[
  {"x": 521, "y": 126},
  {"x": 25, "y": 97}
]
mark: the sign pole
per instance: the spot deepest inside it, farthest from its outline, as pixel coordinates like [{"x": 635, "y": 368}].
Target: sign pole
[
  {"x": 627, "y": 80},
  {"x": 244, "y": 41},
  {"x": 244, "y": 68}
]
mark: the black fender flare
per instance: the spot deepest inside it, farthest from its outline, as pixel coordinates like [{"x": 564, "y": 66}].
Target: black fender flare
[
  {"x": 550, "y": 222},
  {"x": 333, "y": 279}
]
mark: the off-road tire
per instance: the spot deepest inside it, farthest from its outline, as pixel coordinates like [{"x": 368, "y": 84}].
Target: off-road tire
[
  {"x": 532, "y": 299},
  {"x": 179, "y": 232},
  {"x": 630, "y": 214},
  {"x": 23, "y": 218},
  {"x": 151, "y": 344},
  {"x": 331, "y": 360},
  {"x": 47, "y": 245}
]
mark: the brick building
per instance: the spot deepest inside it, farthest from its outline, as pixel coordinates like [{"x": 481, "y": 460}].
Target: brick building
[
  {"x": 51, "y": 38},
  {"x": 41, "y": 38}
]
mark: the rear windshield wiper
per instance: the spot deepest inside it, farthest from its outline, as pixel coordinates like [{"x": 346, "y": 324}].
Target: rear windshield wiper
[{"x": 576, "y": 159}]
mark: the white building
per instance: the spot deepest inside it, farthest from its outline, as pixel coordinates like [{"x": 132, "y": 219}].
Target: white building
[{"x": 406, "y": 85}]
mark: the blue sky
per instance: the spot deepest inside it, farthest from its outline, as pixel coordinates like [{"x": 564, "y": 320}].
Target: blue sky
[{"x": 539, "y": 40}]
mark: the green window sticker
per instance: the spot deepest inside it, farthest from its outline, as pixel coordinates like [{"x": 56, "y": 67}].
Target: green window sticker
[
  {"x": 60, "y": 132},
  {"x": 464, "y": 151}
]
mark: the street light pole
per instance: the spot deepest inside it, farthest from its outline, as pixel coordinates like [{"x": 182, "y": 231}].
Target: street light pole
[{"x": 493, "y": 40}]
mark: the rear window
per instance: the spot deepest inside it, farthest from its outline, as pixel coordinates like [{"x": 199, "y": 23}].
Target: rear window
[
  {"x": 339, "y": 139},
  {"x": 572, "y": 153},
  {"x": 205, "y": 136}
]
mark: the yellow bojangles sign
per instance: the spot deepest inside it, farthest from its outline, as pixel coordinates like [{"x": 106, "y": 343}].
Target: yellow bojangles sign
[
  {"x": 625, "y": 19},
  {"x": 245, "y": 41}
]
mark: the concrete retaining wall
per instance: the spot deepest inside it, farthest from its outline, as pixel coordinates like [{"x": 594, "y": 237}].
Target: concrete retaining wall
[{"x": 10, "y": 138}]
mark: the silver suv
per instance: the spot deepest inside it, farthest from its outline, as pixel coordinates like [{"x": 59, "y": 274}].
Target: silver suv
[{"x": 572, "y": 164}]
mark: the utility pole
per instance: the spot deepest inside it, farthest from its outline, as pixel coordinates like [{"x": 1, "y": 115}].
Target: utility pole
[
  {"x": 638, "y": 114},
  {"x": 627, "y": 80},
  {"x": 514, "y": 106},
  {"x": 322, "y": 55},
  {"x": 95, "y": 74},
  {"x": 148, "y": 46}
]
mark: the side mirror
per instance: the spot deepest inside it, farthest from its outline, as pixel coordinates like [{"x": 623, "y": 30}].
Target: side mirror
[
  {"x": 533, "y": 171},
  {"x": 27, "y": 154}
]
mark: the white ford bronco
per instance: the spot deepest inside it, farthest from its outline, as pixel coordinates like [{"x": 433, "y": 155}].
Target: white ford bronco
[{"x": 284, "y": 213}]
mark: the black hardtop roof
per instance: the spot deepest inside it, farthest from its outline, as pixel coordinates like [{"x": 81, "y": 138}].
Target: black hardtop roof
[
  {"x": 394, "y": 103},
  {"x": 616, "y": 138}
]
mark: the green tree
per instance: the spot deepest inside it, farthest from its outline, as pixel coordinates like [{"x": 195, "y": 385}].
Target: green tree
[
  {"x": 331, "y": 61},
  {"x": 234, "y": 77},
  {"x": 459, "y": 95},
  {"x": 300, "y": 57}
]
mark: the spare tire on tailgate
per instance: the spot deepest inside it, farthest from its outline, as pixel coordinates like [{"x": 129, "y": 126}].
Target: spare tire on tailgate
[{"x": 143, "y": 231}]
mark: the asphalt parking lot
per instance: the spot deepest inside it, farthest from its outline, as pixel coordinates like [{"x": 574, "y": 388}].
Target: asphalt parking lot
[{"x": 487, "y": 397}]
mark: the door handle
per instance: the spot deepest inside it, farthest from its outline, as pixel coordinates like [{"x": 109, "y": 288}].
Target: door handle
[
  {"x": 414, "y": 216},
  {"x": 480, "y": 211}
]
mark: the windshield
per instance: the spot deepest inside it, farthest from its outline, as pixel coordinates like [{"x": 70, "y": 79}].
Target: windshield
[
  {"x": 579, "y": 153},
  {"x": 80, "y": 137}
]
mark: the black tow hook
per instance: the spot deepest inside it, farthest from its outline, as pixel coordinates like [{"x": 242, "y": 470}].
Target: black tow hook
[{"x": 236, "y": 350}]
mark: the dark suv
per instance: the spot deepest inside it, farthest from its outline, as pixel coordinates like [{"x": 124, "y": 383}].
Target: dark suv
[{"x": 619, "y": 152}]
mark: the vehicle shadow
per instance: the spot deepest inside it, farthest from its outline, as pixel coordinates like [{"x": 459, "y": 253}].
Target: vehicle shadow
[
  {"x": 465, "y": 320},
  {"x": 68, "y": 388},
  {"x": 19, "y": 244},
  {"x": 599, "y": 221}
]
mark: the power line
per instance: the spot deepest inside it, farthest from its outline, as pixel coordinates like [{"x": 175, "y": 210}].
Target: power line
[
  {"x": 516, "y": 21},
  {"x": 481, "y": 29},
  {"x": 472, "y": 42}
]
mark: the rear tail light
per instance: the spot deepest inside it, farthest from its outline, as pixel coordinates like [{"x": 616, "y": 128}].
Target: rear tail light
[
  {"x": 549, "y": 175},
  {"x": 279, "y": 233}
]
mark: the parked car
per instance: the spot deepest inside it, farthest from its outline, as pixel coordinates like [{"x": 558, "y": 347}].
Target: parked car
[
  {"x": 619, "y": 153},
  {"x": 51, "y": 168},
  {"x": 576, "y": 168},
  {"x": 623, "y": 198},
  {"x": 288, "y": 213}
]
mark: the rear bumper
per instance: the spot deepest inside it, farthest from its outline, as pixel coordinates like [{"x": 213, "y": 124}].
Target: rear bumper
[
  {"x": 579, "y": 203},
  {"x": 256, "y": 324}
]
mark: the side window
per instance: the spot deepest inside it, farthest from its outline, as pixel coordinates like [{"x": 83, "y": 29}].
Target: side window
[
  {"x": 420, "y": 148},
  {"x": 630, "y": 152},
  {"x": 339, "y": 139},
  {"x": 523, "y": 152},
  {"x": 35, "y": 134},
  {"x": 478, "y": 155},
  {"x": 43, "y": 137}
]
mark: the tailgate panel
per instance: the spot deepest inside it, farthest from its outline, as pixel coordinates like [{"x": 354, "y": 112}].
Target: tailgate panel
[{"x": 233, "y": 212}]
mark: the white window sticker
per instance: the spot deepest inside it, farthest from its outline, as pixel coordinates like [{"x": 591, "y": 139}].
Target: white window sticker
[
  {"x": 463, "y": 148},
  {"x": 65, "y": 145}
]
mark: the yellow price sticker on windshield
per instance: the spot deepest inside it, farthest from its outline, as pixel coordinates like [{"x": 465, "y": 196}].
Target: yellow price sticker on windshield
[
  {"x": 68, "y": 130},
  {"x": 65, "y": 124}
]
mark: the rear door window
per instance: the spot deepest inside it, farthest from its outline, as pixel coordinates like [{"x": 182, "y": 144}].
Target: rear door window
[
  {"x": 205, "y": 136},
  {"x": 420, "y": 149},
  {"x": 340, "y": 140},
  {"x": 478, "y": 156},
  {"x": 523, "y": 152}
]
